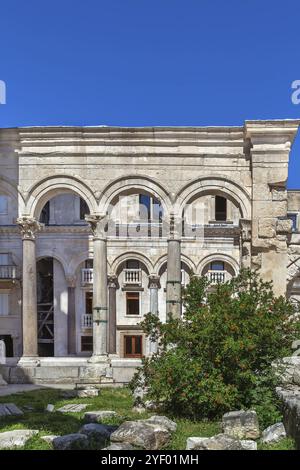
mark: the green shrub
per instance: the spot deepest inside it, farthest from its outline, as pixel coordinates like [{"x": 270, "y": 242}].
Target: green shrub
[{"x": 218, "y": 356}]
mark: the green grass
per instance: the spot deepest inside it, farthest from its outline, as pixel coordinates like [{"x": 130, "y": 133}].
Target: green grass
[{"x": 119, "y": 400}]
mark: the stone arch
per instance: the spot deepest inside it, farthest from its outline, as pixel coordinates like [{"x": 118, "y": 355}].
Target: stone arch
[
  {"x": 52, "y": 186},
  {"x": 77, "y": 260},
  {"x": 164, "y": 258},
  {"x": 10, "y": 189},
  {"x": 215, "y": 185},
  {"x": 52, "y": 254},
  {"x": 218, "y": 257},
  {"x": 132, "y": 182},
  {"x": 131, "y": 255}
]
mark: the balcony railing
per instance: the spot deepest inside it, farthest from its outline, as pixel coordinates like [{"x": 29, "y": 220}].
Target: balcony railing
[
  {"x": 217, "y": 276},
  {"x": 8, "y": 272},
  {"x": 133, "y": 277},
  {"x": 137, "y": 230},
  {"x": 87, "y": 276},
  {"x": 87, "y": 320}
]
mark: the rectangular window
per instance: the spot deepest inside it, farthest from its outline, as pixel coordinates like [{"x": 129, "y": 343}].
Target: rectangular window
[
  {"x": 86, "y": 343},
  {"x": 217, "y": 266},
  {"x": 4, "y": 303},
  {"x": 221, "y": 208},
  {"x": 133, "y": 346},
  {"x": 132, "y": 303},
  {"x": 89, "y": 302},
  {"x": 293, "y": 218},
  {"x": 3, "y": 205}
]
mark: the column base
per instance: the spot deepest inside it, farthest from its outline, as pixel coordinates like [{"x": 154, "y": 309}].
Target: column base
[
  {"x": 29, "y": 361},
  {"x": 2, "y": 381},
  {"x": 98, "y": 358}
]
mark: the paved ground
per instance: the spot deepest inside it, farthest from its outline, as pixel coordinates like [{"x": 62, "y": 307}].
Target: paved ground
[{"x": 19, "y": 388}]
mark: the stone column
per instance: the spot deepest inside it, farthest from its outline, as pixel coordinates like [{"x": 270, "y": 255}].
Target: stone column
[
  {"x": 71, "y": 282},
  {"x": 154, "y": 285},
  {"x": 100, "y": 350},
  {"x": 173, "y": 302},
  {"x": 112, "y": 317},
  {"x": 29, "y": 227}
]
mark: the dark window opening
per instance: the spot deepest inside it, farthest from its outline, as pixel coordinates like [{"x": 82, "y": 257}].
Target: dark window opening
[
  {"x": 89, "y": 263},
  {"x": 89, "y": 302},
  {"x": 132, "y": 303},
  {"x": 45, "y": 214},
  {"x": 86, "y": 343},
  {"x": 132, "y": 264},
  {"x": 84, "y": 209},
  {"x": 293, "y": 218},
  {"x": 133, "y": 346},
  {"x": 9, "y": 349},
  {"x": 221, "y": 208}
]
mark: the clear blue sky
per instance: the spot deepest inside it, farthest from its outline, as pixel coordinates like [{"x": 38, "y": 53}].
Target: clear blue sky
[{"x": 150, "y": 62}]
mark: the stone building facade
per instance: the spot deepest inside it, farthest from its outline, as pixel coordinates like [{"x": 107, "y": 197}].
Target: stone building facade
[{"x": 100, "y": 225}]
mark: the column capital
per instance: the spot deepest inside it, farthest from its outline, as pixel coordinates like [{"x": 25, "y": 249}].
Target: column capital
[
  {"x": 112, "y": 281},
  {"x": 97, "y": 223},
  {"x": 154, "y": 281},
  {"x": 28, "y": 227},
  {"x": 71, "y": 281}
]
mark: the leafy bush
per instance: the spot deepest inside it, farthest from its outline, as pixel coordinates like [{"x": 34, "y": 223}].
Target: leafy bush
[{"x": 218, "y": 356}]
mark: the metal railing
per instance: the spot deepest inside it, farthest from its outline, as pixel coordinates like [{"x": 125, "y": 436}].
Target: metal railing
[
  {"x": 87, "y": 276},
  {"x": 8, "y": 272},
  {"x": 87, "y": 320},
  {"x": 133, "y": 276}
]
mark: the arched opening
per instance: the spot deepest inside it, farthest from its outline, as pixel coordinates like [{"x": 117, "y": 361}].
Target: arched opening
[
  {"x": 218, "y": 271},
  {"x": 209, "y": 210},
  {"x": 136, "y": 213},
  {"x": 64, "y": 209}
]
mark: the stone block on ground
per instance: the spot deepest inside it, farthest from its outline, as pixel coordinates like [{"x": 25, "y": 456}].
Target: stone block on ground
[
  {"x": 73, "y": 408},
  {"x": 162, "y": 421},
  {"x": 16, "y": 438},
  {"x": 10, "y": 409},
  {"x": 50, "y": 408},
  {"x": 98, "y": 432},
  {"x": 218, "y": 442},
  {"x": 70, "y": 441},
  {"x": 98, "y": 416},
  {"x": 273, "y": 433},
  {"x": 241, "y": 424},
  {"x": 247, "y": 444},
  {"x": 141, "y": 434},
  {"x": 50, "y": 438},
  {"x": 88, "y": 392}
]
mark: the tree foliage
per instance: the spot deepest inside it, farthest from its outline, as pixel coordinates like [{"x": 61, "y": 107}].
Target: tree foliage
[{"x": 218, "y": 356}]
